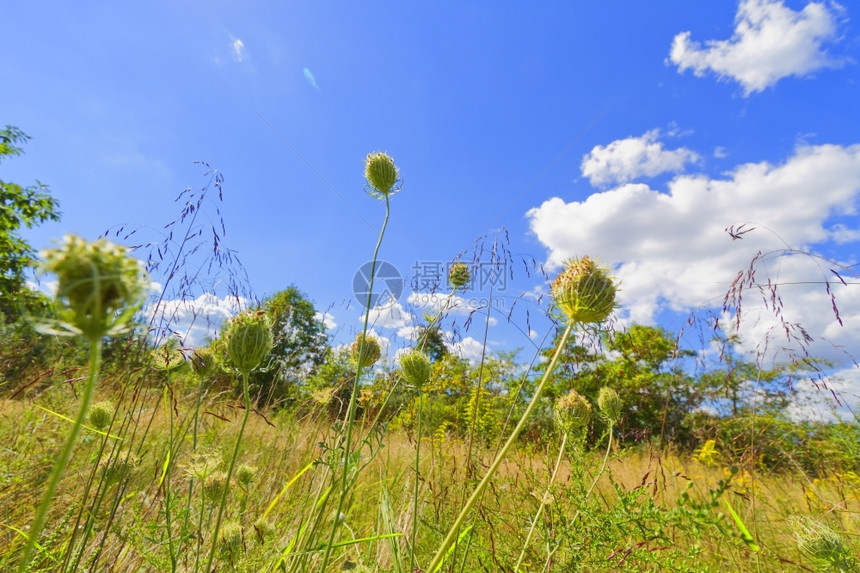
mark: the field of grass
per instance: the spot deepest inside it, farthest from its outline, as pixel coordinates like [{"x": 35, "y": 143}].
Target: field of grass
[{"x": 650, "y": 510}]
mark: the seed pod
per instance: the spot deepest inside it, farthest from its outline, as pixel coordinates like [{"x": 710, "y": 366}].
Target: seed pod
[
  {"x": 100, "y": 415},
  {"x": 584, "y": 291},
  {"x": 369, "y": 354},
  {"x": 609, "y": 404},
  {"x": 459, "y": 275},
  {"x": 572, "y": 412},
  {"x": 415, "y": 368},
  {"x": 99, "y": 287},
  {"x": 381, "y": 174},
  {"x": 249, "y": 340},
  {"x": 230, "y": 536},
  {"x": 245, "y": 474}
]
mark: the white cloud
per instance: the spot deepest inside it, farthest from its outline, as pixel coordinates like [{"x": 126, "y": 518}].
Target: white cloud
[
  {"x": 327, "y": 319},
  {"x": 195, "y": 319},
  {"x": 467, "y": 348},
  {"x": 435, "y": 302},
  {"x": 390, "y": 315},
  {"x": 627, "y": 159},
  {"x": 238, "y": 48},
  {"x": 770, "y": 42},
  {"x": 670, "y": 250}
]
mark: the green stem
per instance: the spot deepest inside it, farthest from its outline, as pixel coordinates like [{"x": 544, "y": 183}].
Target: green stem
[
  {"x": 415, "y": 493},
  {"x": 542, "y": 503},
  {"x": 352, "y": 398},
  {"x": 223, "y": 503},
  {"x": 63, "y": 459},
  {"x": 453, "y": 532},
  {"x": 599, "y": 473}
]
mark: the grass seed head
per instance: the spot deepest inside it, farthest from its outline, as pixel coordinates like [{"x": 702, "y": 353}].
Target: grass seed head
[
  {"x": 381, "y": 174},
  {"x": 459, "y": 275},
  {"x": 249, "y": 340},
  {"x": 415, "y": 368},
  {"x": 584, "y": 291}
]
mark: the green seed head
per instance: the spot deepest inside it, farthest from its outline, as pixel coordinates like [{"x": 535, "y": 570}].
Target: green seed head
[
  {"x": 118, "y": 468},
  {"x": 823, "y": 546},
  {"x": 214, "y": 484},
  {"x": 230, "y": 536},
  {"x": 100, "y": 415},
  {"x": 609, "y": 404},
  {"x": 203, "y": 362},
  {"x": 415, "y": 368},
  {"x": 572, "y": 412},
  {"x": 249, "y": 340},
  {"x": 245, "y": 474},
  {"x": 381, "y": 174},
  {"x": 99, "y": 286},
  {"x": 584, "y": 291},
  {"x": 167, "y": 357},
  {"x": 369, "y": 354},
  {"x": 459, "y": 275}
]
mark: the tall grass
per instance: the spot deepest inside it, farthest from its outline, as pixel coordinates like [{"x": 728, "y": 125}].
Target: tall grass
[{"x": 179, "y": 477}]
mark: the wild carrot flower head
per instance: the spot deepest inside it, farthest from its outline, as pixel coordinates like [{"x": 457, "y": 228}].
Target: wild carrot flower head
[
  {"x": 572, "y": 412},
  {"x": 99, "y": 287},
  {"x": 584, "y": 291},
  {"x": 609, "y": 404},
  {"x": 381, "y": 174},
  {"x": 249, "y": 340},
  {"x": 369, "y": 354},
  {"x": 823, "y": 546},
  {"x": 415, "y": 368},
  {"x": 459, "y": 275},
  {"x": 100, "y": 415}
]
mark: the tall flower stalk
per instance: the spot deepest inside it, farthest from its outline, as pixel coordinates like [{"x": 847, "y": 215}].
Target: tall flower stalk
[
  {"x": 383, "y": 180},
  {"x": 249, "y": 341},
  {"x": 99, "y": 288},
  {"x": 585, "y": 294}
]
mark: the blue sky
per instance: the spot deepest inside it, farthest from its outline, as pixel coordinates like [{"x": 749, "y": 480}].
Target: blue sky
[{"x": 628, "y": 131}]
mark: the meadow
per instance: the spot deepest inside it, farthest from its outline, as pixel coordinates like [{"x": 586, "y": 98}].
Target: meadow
[{"x": 121, "y": 453}]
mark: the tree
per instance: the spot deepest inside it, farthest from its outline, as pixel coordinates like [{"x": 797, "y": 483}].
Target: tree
[
  {"x": 300, "y": 345},
  {"x": 19, "y": 206}
]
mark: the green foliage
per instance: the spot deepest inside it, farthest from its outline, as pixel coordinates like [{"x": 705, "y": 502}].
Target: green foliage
[
  {"x": 19, "y": 207},
  {"x": 299, "y": 349}
]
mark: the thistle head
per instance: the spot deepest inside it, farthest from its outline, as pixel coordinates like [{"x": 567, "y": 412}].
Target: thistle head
[
  {"x": 249, "y": 340},
  {"x": 167, "y": 357},
  {"x": 118, "y": 468},
  {"x": 609, "y": 403},
  {"x": 368, "y": 353},
  {"x": 214, "y": 485},
  {"x": 459, "y": 275},
  {"x": 415, "y": 368},
  {"x": 381, "y": 174},
  {"x": 100, "y": 415},
  {"x": 99, "y": 287},
  {"x": 572, "y": 412},
  {"x": 584, "y": 291}
]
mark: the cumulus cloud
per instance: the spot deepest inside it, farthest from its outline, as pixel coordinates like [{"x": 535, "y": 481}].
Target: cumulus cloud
[
  {"x": 327, "y": 319},
  {"x": 671, "y": 251},
  {"x": 627, "y": 159},
  {"x": 194, "y": 320},
  {"x": 467, "y": 348},
  {"x": 770, "y": 42},
  {"x": 389, "y": 315}
]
